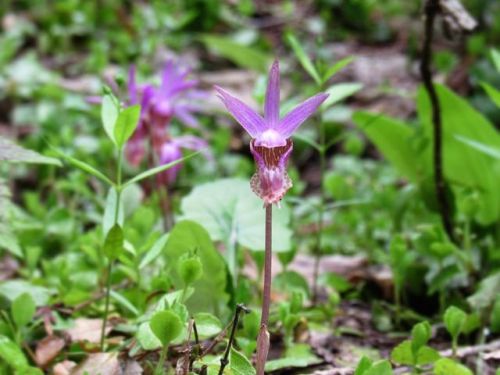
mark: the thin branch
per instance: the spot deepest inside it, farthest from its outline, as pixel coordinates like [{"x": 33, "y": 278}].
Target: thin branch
[
  {"x": 225, "y": 358},
  {"x": 431, "y": 10}
]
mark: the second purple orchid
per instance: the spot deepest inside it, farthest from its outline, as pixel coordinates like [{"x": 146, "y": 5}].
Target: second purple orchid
[{"x": 271, "y": 143}]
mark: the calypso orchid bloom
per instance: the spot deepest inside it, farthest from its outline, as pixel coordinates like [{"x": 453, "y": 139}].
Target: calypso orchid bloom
[
  {"x": 271, "y": 143},
  {"x": 176, "y": 96}
]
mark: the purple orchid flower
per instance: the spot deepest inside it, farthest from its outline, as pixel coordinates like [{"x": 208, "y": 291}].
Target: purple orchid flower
[
  {"x": 271, "y": 144},
  {"x": 171, "y": 150},
  {"x": 174, "y": 97}
]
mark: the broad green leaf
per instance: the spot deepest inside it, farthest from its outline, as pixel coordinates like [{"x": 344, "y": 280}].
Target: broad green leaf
[
  {"x": 443, "y": 277},
  {"x": 12, "y": 289},
  {"x": 463, "y": 165},
  {"x": 12, "y": 153},
  {"x": 487, "y": 150},
  {"x": 339, "y": 92},
  {"x": 234, "y": 214},
  {"x": 486, "y": 293},
  {"x": 454, "y": 320},
  {"x": 393, "y": 138},
  {"x": 307, "y": 140},
  {"x": 420, "y": 334},
  {"x": 239, "y": 364},
  {"x": 156, "y": 170},
  {"x": 85, "y": 167},
  {"x": 427, "y": 355},
  {"x": 146, "y": 338},
  {"x": 23, "y": 309},
  {"x": 446, "y": 366},
  {"x": 166, "y": 326},
  {"x": 380, "y": 368},
  {"x": 110, "y": 109},
  {"x": 492, "y": 92},
  {"x": 364, "y": 364},
  {"x": 210, "y": 290},
  {"x": 9, "y": 242},
  {"x": 289, "y": 281},
  {"x": 127, "y": 122},
  {"x": 495, "y": 57},
  {"x": 304, "y": 60},
  {"x": 244, "y": 56},
  {"x": 335, "y": 68},
  {"x": 155, "y": 251},
  {"x": 207, "y": 324},
  {"x": 113, "y": 244},
  {"x": 298, "y": 355},
  {"x": 402, "y": 354},
  {"x": 12, "y": 354}
]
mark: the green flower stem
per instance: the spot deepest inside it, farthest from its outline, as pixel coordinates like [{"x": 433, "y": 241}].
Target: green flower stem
[
  {"x": 161, "y": 362},
  {"x": 118, "y": 189}
]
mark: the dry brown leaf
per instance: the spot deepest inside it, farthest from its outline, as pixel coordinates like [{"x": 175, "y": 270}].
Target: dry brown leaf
[
  {"x": 87, "y": 330},
  {"x": 99, "y": 363},
  {"x": 47, "y": 349},
  {"x": 63, "y": 368}
]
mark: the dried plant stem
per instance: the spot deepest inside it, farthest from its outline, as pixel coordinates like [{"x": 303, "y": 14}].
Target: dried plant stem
[
  {"x": 263, "y": 338},
  {"x": 431, "y": 9},
  {"x": 225, "y": 358}
]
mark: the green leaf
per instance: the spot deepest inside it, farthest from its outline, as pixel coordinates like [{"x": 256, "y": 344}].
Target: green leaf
[
  {"x": 110, "y": 109},
  {"x": 446, "y": 366},
  {"x": 239, "y": 364},
  {"x": 297, "y": 355},
  {"x": 339, "y": 92},
  {"x": 12, "y": 289},
  {"x": 85, "y": 167},
  {"x": 393, "y": 138},
  {"x": 160, "y": 168},
  {"x": 486, "y": 293},
  {"x": 492, "y": 92},
  {"x": 244, "y": 56},
  {"x": 454, "y": 320},
  {"x": 443, "y": 277},
  {"x": 364, "y": 364},
  {"x": 190, "y": 269},
  {"x": 380, "y": 368},
  {"x": 463, "y": 165},
  {"x": 487, "y": 150},
  {"x": 402, "y": 354},
  {"x": 234, "y": 215},
  {"x": 335, "y": 68},
  {"x": 12, "y": 354},
  {"x": 108, "y": 220},
  {"x": 420, "y": 334},
  {"x": 146, "y": 338},
  {"x": 166, "y": 326},
  {"x": 210, "y": 290},
  {"x": 207, "y": 324},
  {"x": 495, "y": 57},
  {"x": 23, "y": 309},
  {"x": 495, "y": 316},
  {"x": 113, "y": 244},
  {"x": 427, "y": 355},
  {"x": 124, "y": 302},
  {"x": 155, "y": 251},
  {"x": 289, "y": 281},
  {"x": 12, "y": 153},
  {"x": 304, "y": 60},
  {"x": 127, "y": 122}
]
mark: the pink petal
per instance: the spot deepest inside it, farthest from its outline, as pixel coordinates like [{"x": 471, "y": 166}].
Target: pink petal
[
  {"x": 299, "y": 114},
  {"x": 250, "y": 120},
  {"x": 272, "y": 104}
]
